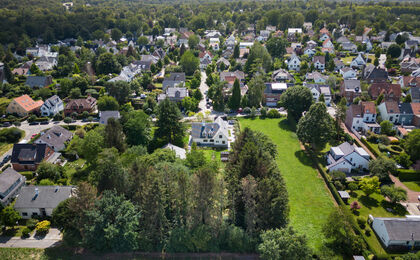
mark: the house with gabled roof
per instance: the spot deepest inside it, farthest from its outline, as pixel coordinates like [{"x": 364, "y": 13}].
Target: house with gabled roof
[
  {"x": 347, "y": 157},
  {"x": 52, "y": 106},
  {"x": 377, "y": 75},
  {"x": 23, "y": 105},
  {"x": 282, "y": 75},
  {"x": 390, "y": 111},
  {"x": 362, "y": 117},
  {"x": 391, "y": 92},
  {"x": 40, "y": 201},
  {"x": 415, "y": 94},
  {"x": 398, "y": 233},
  {"x": 38, "y": 81},
  {"x": 27, "y": 157},
  {"x": 319, "y": 62},
  {"x": 358, "y": 62},
  {"x": 350, "y": 89},
  {"x": 348, "y": 73},
  {"x": 175, "y": 79},
  {"x": 80, "y": 105},
  {"x": 56, "y": 137},
  {"x": 294, "y": 63},
  {"x": 213, "y": 134},
  {"x": 10, "y": 184},
  {"x": 181, "y": 153},
  {"x": 349, "y": 46}
]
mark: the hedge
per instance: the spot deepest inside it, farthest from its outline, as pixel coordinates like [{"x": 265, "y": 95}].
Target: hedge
[
  {"x": 408, "y": 175},
  {"x": 372, "y": 150}
]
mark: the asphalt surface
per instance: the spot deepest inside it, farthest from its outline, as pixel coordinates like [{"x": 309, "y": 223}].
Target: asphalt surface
[
  {"x": 203, "y": 88},
  {"x": 52, "y": 239}
]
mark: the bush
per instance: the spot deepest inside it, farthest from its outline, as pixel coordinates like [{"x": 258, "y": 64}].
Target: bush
[
  {"x": 338, "y": 185},
  {"x": 273, "y": 113},
  {"x": 384, "y": 139},
  {"x": 362, "y": 222},
  {"x": 247, "y": 110},
  {"x": 396, "y": 148},
  {"x": 263, "y": 112},
  {"x": 25, "y": 232},
  {"x": 42, "y": 227},
  {"x": 367, "y": 232},
  {"x": 31, "y": 223},
  {"x": 10, "y": 135},
  {"x": 382, "y": 147}
]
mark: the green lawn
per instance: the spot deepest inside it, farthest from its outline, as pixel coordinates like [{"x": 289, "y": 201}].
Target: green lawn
[
  {"x": 376, "y": 206},
  {"x": 310, "y": 201},
  {"x": 412, "y": 185}
]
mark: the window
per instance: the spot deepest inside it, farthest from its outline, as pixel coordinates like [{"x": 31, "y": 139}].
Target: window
[
  {"x": 220, "y": 136},
  {"x": 34, "y": 213},
  {"x": 24, "y": 214},
  {"x": 223, "y": 142},
  {"x": 211, "y": 140},
  {"x": 205, "y": 140}
]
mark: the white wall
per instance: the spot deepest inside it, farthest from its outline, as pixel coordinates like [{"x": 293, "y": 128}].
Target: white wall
[{"x": 379, "y": 227}]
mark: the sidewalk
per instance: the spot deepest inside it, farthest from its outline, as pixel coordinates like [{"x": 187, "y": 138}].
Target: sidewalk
[{"x": 52, "y": 239}]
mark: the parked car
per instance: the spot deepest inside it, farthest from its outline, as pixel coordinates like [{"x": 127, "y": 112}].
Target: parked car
[
  {"x": 33, "y": 123},
  {"x": 7, "y": 158},
  {"x": 33, "y": 136},
  {"x": 6, "y": 124},
  {"x": 45, "y": 122}
]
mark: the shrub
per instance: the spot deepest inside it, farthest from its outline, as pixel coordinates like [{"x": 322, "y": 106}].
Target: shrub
[
  {"x": 338, "y": 176},
  {"x": 367, "y": 232},
  {"x": 42, "y": 227},
  {"x": 273, "y": 113},
  {"x": 25, "y": 232},
  {"x": 355, "y": 206},
  {"x": 247, "y": 110},
  {"x": 396, "y": 148},
  {"x": 10, "y": 135},
  {"x": 384, "y": 139},
  {"x": 382, "y": 147},
  {"x": 362, "y": 222},
  {"x": 31, "y": 223},
  {"x": 353, "y": 186},
  {"x": 263, "y": 112},
  {"x": 338, "y": 185}
]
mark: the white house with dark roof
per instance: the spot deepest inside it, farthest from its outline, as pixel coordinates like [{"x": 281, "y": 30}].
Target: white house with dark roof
[
  {"x": 294, "y": 63},
  {"x": 52, "y": 106},
  {"x": 347, "y": 157},
  {"x": 40, "y": 201},
  {"x": 348, "y": 73},
  {"x": 358, "y": 62},
  {"x": 398, "y": 232},
  {"x": 10, "y": 183},
  {"x": 105, "y": 115},
  {"x": 214, "y": 134},
  {"x": 319, "y": 62}
]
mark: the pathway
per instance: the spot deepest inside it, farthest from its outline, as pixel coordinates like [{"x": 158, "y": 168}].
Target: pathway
[
  {"x": 357, "y": 140},
  {"x": 203, "y": 88},
  {"x": 411, "y": 195},
  {"x": 53, "y": 238}
]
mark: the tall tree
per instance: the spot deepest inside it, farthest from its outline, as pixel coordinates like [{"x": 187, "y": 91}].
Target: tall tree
[
  {"x": 193, "y": 41},
  {"x": 236, "y": 52},
  {"x": 258, "y": 59},
  {"x": 189, "y": 62},
  {"x": 114, "y": 136},
  {"x": 120, "y": 90},
  {"x": 284, "y": 244},
  {"x": 107, "y": 103},
  {"x": 382, "y": 167},
  {"x": 394, "y": 194},
  {"x": 170, "y": 128},
  {"x": 276, "y": 46},
  {"x": 9, "y": 216},
  {"x": 92, "y": 145},
  {"x": 369, "y": 185},
  {"x": 235, "y": 98},
  {"x": 412, "y": 144},
  {"x": 315, "y": 127},
  {"x": 107, "y": 63},
  {"x": 137, "y": 128},
  {"x": 255, "y": 91},
  {"x": 296, "y": 100}
]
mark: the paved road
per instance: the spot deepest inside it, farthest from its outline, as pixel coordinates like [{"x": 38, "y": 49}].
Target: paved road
[
  {"x": 53, "y": 238},
  {"x": 203, "y": 88},
  {"x": 35, "y": 129}
]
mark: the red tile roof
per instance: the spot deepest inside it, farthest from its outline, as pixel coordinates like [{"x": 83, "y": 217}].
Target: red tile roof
[{"x": 27, "y": 103}]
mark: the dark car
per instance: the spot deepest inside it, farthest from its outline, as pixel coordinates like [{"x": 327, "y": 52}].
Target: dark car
[
  {"x": 45, "y": 122},
  {"x": 6, "y": 124},
  {"x": 7, "y": 158},
  {"x": 33, "y": 123}
]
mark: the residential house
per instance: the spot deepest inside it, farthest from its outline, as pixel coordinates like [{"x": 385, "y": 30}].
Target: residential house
[
  {"x": 391, "y": 92},
  {"x": 309, "y": 51},
  {"x": 319, "y": 62},
  {"x": 80, "y": 105},
  {"x": 264, "y": 34},
  {"x": 385, "y": 45},
  {"x": 411, "y": 44},
  {"x": 409, "y": 81},
  {"x": 214, "y": 43},
  {"x": 377, "y": 75},
  {"x": 415, "y": 107},
  {"x": 398, "y": 233},
  {"x": 358, "y": 62},
  {"x": 348, "y": 73},
  {"x": 390, "y": 111},
  {"x": 415, "y": 93},
  {"x": 409, "y": 64},
  {"x": 281, "y": 75},
  {"x": 225, "y": 62},
  {"x": 205, "y": 59},
  {"x": 273, "y": 92},
  {"x": 21, "y": 71},
  {"x": 307, "y": 26},
  {"x": 349, "y": 46},
  {"x": 316, "y": 77},
  {"x": 10, "y": 184},
  {"x": 46, "y": 63},
  {"x": 362, "y": 117},
  {"x": 347, "y": 157},
  {"x": 211, "y": 134},
  {"x": 292, "y": 34},
  {"x": 38, "y": 81},
  {"x": 52, "y": 106},
  {"x": 230, "y": 76},
  {"x": 174, "y": 94},
  {"x": 105, "y": 115},
  {"x": 181, "y": 153},
  {"x": 406, "y": 114},
  {"x": 56, "y": 138},
  {"x": 327, "y": 44},
  {"x": 150, "y": 58},
  {"x": 324, "y": 37},
  {"x": 27, "y": 157},
  {"x": 23, "y": 105},
  {"x": 40, "y": 201},
  {"x": 294, "y": 63},
  {"x": 175, "y": 79},
  {"x": 350, "y": 89},
  {"x": 342, "y": 39},
  {"x": 339, "y": 64},
  {"x": 317, "y": 90}
]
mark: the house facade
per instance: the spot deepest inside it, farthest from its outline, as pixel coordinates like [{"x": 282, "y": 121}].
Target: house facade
[
  {"x": 348, "y": 73},
  {"x": 23, "y": 105},
  {"x": 362, "y": 117},
  {"x": 27, "y": 157},
  {"x": 347, "y": 157},
  {"x": 294, "y": 63},
  {"x": 10, "y": 183},
  {"x": 40, "y": 201},
  {"x": 211, "y": 134},
  {"x": 391, "y": 92},
  {"x": 80, "y": 105},
  {"x": 350, "y": 89},
  {"x": 52, "y": 106},
  {"x": 390, "y": 111},
  {"x": 55, "y": 138},
  {"x": 398, "y": 233}
]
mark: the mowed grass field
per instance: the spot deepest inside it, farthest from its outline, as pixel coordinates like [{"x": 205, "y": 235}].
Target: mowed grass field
[{"x": 309, "y": 199}]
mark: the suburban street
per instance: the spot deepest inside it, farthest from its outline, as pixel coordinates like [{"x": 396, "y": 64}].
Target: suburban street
[{"x": 203, "y": 88}]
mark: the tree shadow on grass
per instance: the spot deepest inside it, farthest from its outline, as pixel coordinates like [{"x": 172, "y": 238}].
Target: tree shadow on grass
[
  {"x": 397, "y": 209},
  {"x": 288, "y": 125},
  {"x": 368, "y": 202},
  {"x": 303, "y": 158}
]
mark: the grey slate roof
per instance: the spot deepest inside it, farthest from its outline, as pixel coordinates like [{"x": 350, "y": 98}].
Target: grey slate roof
[
  {"x": 56, "y": 137},
  {"x": 37, "y": 81},
  {"x": 180, "y": 152},
  {"x": 402, "y": 228},
  {"x": 8, "y": 178},
  {"x": 105, "y": 115},
  {"x": 415, "y": 93},
  {"x": 204, "y": 130},
  {"x": 177, "y": 92},
  {"x": 52, "y": 101},
  {"x": 48, "y": 196},
  {"x": 352, "y": 84},
  {"x": 405, "y": 108}
]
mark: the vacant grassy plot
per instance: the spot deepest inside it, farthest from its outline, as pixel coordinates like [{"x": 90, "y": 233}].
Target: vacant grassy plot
[{"x": 310, "y": 202}]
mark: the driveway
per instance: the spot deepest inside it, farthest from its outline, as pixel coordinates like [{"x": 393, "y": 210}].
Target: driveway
[
  {"x": 412, "y": 196},
  {"x": 203, "y": 88},
  {"x": 53, "y": 238}
]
